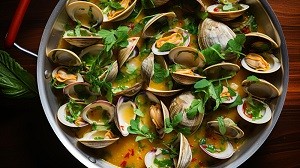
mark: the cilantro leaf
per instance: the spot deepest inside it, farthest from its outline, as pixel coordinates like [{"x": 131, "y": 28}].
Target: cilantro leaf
[
  {"x": 190, "y": 25},
  {"x": 252, "y": 78},
  {"x": 166, "y": 47},
  {"x": 238, "y": 101},
  {"x": 213, "y": 54},
  {"x": 159, "y": 73},
  {"x": 114, "y": 38},
  {"x": 143, "y": 132},
  {"x": 197, "y": 106},
  {"x": 221, "y": 123}
]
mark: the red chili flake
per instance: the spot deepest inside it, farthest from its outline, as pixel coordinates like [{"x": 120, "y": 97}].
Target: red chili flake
[
  {"x": 204, "y": 146},
  {"x": 132, "y": 152},
  {"x": 194, "y": 159},
  {"x": 140, "y": 158},
  {"x": 123, "y": 164},
  {"x": 246, "y": 30},
  {"x": 191, "y": 146},
  {"x": 127, "y": 155},
  {"x": 122, "y": 127},
  {"x": 131, "y": 25},
  {"x": 216, "y": 10},
  {"x": 245, "y": 111},
  {"x": 153, "y": 150},
  {"x": 201, "y": 163}
]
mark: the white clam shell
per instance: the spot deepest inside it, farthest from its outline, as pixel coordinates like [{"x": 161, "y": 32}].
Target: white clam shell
[
  {"x": 70, "y": 90},
  {"x": 227, "y": 153},
  {"x": 184, "y": 33},
  {"x": 212, "y": 72},
  {"x": 88, "y": 140},
  {"x": 261, "y": 89},
  {"x": 105, "y": 105},
  {"x": 64, "y": 57},
  {"x": 267, "y": 113},
  {"x": 61, "y": 116},
  {"x": 121, "y": 112},
  {"x": 80, "y": 10},
  {"x": 55, "y": 71},
  {"x": 228, "y": 15},
  {"x": 232, "y": 130},
  {"x": 151, "y": 155},
  {"x": 270, "y": 58}
]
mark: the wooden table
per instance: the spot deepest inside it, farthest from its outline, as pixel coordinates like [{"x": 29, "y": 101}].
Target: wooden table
[{"x": 27, "y": 139}]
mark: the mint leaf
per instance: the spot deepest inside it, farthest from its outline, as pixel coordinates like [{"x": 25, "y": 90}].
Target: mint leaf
[{"x": 15, "y": 82}]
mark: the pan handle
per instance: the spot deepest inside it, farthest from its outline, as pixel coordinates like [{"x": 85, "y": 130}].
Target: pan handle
[{"x": 15, "y": 24}]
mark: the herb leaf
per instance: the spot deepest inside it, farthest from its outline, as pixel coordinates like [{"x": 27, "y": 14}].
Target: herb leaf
[
  {"x": 197, "y": 106},
  {"x": 166, "y": 47},
  {"x": 159, "y": 73},
  {"x": 143, "y": 132},
  {"x": 15, "y": 82},
  {"x": 252, "y": 78},
  {"x": 222, "y": 127}
]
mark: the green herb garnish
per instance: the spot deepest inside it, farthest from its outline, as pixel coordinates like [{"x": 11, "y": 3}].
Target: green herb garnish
[
  {"x": 159, "y": 73},
  {"x": 166, "y": 47},
  {"x": 222, "y": 127},
  {"x": 143, "y": 132},
  {"x": 74, "y": 110},
  {"x": 253, "y": 78},
  {"x": 197, "y": 106}
]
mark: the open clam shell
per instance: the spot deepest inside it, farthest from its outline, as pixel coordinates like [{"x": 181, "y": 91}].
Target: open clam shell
[
  {"x": 261, "y": 63},
  {"x": 211, "y": 32},
  {"x": 179, "y": 105},
  {"x": 124, "y": 113},
  {"x": 87, "y": 13},
  {"x": 118, "y": 15},
  {"x": 91, "y": 51},
  {"x": 62, "y": 76},
  {"x": 78, "y": 91},
  {"x": 265, "y": 113},
  {"x": 185, "y": 152},
  {"x": 227, "y": 153},
  {"x": 148, "y": 73},
  {"x": 98, "y": 139},
  {"x": 226, "y": 15},
  {"x": 155, "y": 154},
  {"x": 86, "y": 38},
  {"x": 64, "y": 57},
  {"x": 62, "y": 115},
  {"x": 130, "y": 91},
  {"x": 221, "y": 70},
  {"x": 232, "y": 130},
  {"x": 191, "y": 59},
  {"x": 226, "y": 97},
  {"x": 259, "y": 42},
  {"x": 176, "y": 36},
  {"x": 127, "y": 53},
  {"x": 151, "y": 27},
  {"x": 99, "y": 112},
  {"x": 260, "y": 89}
]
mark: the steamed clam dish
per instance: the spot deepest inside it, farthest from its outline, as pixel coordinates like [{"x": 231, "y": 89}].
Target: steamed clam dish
[{"x": 165, "y": 83}]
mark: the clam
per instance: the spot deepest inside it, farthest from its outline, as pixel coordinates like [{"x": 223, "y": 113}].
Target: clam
[
  {"x": 221, "y": 70},
  {"x": 79, "y": 91},
  {"x": 62, "y": 77},
  {"x": 131, "y": 91},
  {"x": 98, "y": 139},
  {"x": 218, "y": 153},
  {"x": 226, "y": 96},
  {"x": 180, "y": 104},
  {"x": 89, "y": 54},
  {"x": 112, "y": 15},
  {"x": 232, "y": 130},
  {"x": 173, "y": 38},
  {"x": 129, "y": 52},
  {"x": 154, "y": 109},
  {"x": 217, "y": 12},
  {"x": 64, "y": 111},
  {"x": 212, "y": 32},
  {"x": 260, "y": 89},
  {"x": 99, "y": 112},
  {"x": 64, "y": 57},
  {"x": 156, "y": 23},
  {"x": 159, "y": 86},
  {"x": 188, "y": 59},
  {"x": 259, "y": 42},
  {"x": 125, "y": 111},
  {"x": 82, "y": 39},
  {"x": 183, "y": 159},
  {"x": 88, "y": 14},
  {"x": 261, "y": 63},
  {"x": 254, "y": 111},
  {"x": 110, "y": 72}
]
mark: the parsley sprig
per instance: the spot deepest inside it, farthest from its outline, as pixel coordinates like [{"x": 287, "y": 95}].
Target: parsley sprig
[{"x": 142, "y": 132}]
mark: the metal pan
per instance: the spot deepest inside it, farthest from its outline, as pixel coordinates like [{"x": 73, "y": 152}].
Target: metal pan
[{"x": 53, "y": 32}]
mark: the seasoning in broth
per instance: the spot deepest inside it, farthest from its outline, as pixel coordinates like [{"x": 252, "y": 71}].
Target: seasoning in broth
[{"x": 162, "y": 86}]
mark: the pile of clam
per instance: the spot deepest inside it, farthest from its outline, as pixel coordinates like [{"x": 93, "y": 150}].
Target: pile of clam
[{"x": 144, "y": 93}]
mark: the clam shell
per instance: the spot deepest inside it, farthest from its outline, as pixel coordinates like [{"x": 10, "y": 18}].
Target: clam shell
[
  {"x": 61, "y": 116},
  {"x": 123, "y": 15},
  {"x": 64, "y": 57},
  {"x": 270, "y": 58},
  {"x": 131, "y": 91},
  {"x": 124, "y": 107},
  {"x": 212, "y": 72},
  {"x": 227, "y": 153},
  {"x": 111, "y": 72},
  {"x": 82, "y": 11},
  {"x": 64, "y": 69},
  {"x": 232, "y": 130},
  {"x": 105, "y": 105},
  {"x": 211, "y": 32},
  {"x": 260, "y": 89},
  {"x": 186, "y": 79},
  {"x": 83, "y": 87},
  {"x": 185, "y": 153},
  {"x": 179, "y": 105},
  {"x": 92, "y": 50},
  {"x": 86, "y": 38},
  {"x": 149, "y": 31},
  {"x": 226, "y": 16},
  {"x": 259, "y": 37},
  {"x": 267, "y": 113},
  {"x": 125, "y": 53},
  {"x": 88, "y": 140},
  {"x": 187, "y": 56},
  {"x": 185, "y": 35},
  {"x": 151, "y": 155}
]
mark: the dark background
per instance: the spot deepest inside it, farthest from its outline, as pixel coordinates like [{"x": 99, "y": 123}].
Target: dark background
[{"x": 27, "y": 140}]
